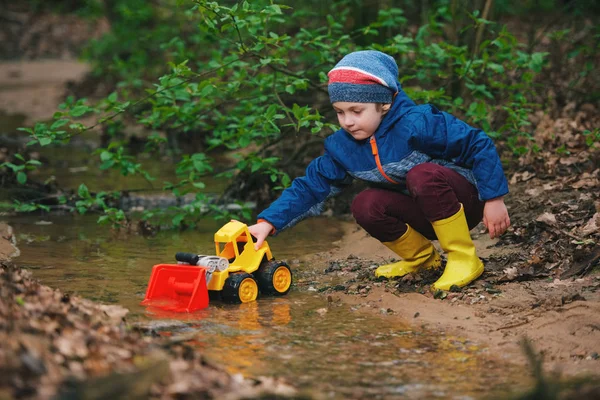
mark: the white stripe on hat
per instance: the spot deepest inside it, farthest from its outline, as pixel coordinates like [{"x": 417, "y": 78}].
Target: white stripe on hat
[{"x": 362, "y": 71}]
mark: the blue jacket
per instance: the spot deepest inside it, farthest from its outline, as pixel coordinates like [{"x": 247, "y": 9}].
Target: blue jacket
[{"x": 408, "y": 135}]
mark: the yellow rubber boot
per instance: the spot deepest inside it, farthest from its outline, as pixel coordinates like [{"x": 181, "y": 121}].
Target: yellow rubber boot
[
  {"x": 416, "y": 251},
  {"x": 463, "y": 265}
]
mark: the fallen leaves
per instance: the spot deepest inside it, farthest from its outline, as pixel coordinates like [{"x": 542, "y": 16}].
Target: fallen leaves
[{"x": 51, "y": 343}]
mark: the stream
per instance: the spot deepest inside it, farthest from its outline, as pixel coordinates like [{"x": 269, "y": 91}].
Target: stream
[{"x": 322, "y": 347}]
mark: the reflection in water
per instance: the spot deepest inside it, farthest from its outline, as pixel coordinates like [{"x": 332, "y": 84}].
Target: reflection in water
[
  {"x": 325, "y": 347},
  {"x": 339, "y": 352}
]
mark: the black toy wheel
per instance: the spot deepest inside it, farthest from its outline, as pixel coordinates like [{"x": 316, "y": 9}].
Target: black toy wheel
[
  {"x": 274, "y": 278},
  {"x": 240, "y": 287}
]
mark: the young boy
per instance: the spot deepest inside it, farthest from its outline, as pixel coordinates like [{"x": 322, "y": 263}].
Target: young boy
[{"x": 432, "y": 176}]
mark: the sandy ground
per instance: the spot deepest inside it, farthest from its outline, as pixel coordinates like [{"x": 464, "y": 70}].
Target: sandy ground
[
  {"x": 561, "y": 318},
  {"x": 35, "y": 88}
]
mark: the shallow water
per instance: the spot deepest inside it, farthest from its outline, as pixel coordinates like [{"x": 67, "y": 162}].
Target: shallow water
[{"x": 327, "y": 348}]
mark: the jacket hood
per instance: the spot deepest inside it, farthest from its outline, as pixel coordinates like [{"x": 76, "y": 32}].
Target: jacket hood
[{"x": 400, "y": 106}]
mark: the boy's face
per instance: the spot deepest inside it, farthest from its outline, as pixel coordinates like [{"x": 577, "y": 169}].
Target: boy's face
[{"x": 360, "y": 119}]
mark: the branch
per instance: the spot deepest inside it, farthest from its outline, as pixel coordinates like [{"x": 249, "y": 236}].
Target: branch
[{"x": 196, "y": 76}]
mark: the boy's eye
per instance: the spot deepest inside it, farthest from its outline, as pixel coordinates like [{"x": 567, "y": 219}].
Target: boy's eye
[{"x": 357, "y": 111}]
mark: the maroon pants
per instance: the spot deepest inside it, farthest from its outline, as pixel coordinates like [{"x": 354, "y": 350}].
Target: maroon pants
[{"x": 435, "y": 193}]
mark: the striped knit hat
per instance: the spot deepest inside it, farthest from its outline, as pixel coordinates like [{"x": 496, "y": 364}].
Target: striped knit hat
[{"x": 364, "y": 77}]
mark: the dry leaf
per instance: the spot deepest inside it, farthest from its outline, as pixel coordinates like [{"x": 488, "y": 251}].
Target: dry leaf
[
  {"x": 511, "y": 273},
  {"x": 71, "y": 345},
  {"x": 551, "y": 186},
  {"x": 569, "y": 160},
  {"x": 115, "y": 313},
  {"x": 592, "y": 226},
  {"x": 547, "y": 218},
  {"x": 521, "y": 177},
  {"x": 535, "y": 260}
]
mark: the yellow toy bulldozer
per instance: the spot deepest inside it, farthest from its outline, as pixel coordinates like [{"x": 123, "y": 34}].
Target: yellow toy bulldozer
[{"x": 238, "y": 272}]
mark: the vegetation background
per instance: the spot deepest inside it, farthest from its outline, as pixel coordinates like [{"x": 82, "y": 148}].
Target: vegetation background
[
  {"x": 234, "y": 92},
  {"x": 237, "y": 89}
]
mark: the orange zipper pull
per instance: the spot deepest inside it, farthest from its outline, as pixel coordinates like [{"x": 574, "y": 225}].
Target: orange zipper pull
[{"x": 378, "y": 161}]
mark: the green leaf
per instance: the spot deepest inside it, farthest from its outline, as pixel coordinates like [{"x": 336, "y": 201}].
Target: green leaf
[
  {"x": 207, "y": 90},
  {"x": 79, "y": 111},
  {"x": 106, "y": 155},
  {"x": 83, "y": 191},
  {"x": 177, "y": 219},
  {"x": 107, "y": 164},
  {"x": 45, "y": 141},
  {"x": 59, "y": 123},
  {"x": 537, "y": 61},
  {"x": 21, "y": 177}
]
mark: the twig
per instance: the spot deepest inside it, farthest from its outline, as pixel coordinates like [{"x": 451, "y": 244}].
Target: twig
[
  {"x": 285, "y": 108},
  {"x": 516, "y": 324},
  {"x": 479, "y": 34},
  {"x": 237, "y": 29}
]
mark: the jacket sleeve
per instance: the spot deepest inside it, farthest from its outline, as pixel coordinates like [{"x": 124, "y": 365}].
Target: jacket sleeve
[
  {"x": 324, "y": 178},
  {"x": 442, "y": 135}
]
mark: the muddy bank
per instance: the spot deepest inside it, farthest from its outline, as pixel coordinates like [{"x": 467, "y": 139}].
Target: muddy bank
[
  {"x": 52, "y": 343},
  {"x": 562, "y": 318},
  {"x": 33, "y": 89},
  {"x": 544, "y": 286}
]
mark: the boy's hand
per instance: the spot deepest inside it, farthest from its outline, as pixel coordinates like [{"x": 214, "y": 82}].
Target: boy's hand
[
  {"x": 260, "y": 231},
  {"x": 495, "y": 217}
]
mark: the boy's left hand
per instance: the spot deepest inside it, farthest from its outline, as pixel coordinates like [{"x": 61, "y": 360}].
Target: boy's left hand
[{"x": 495, "y": 217}]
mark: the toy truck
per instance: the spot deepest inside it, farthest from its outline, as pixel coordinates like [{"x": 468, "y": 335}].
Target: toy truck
[{"x": 237, "y": 273}]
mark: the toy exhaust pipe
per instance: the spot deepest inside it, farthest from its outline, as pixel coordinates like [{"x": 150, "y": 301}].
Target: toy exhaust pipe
[{"x": 212, "y": 263}]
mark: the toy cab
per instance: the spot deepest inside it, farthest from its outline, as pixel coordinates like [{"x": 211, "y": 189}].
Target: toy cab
[{"x": 249, "y": 270}]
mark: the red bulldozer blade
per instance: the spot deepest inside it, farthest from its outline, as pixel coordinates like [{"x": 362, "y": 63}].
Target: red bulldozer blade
[{"x": 177, "y": 287}]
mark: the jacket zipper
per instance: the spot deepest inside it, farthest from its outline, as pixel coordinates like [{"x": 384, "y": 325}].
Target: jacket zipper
[{"x": 378, "y": 161}]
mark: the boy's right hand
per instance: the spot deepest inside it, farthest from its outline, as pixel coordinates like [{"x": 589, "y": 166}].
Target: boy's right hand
[{"x": 260, "y": 231}]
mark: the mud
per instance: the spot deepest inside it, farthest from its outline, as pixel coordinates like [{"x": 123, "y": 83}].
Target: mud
[{"x": 541, "y": 282}]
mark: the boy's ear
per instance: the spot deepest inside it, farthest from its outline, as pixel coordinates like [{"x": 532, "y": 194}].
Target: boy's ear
[{"x": 385, "y": 108}]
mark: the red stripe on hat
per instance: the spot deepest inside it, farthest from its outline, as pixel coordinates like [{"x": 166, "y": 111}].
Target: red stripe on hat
[{"x": 352, "y": 76}]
